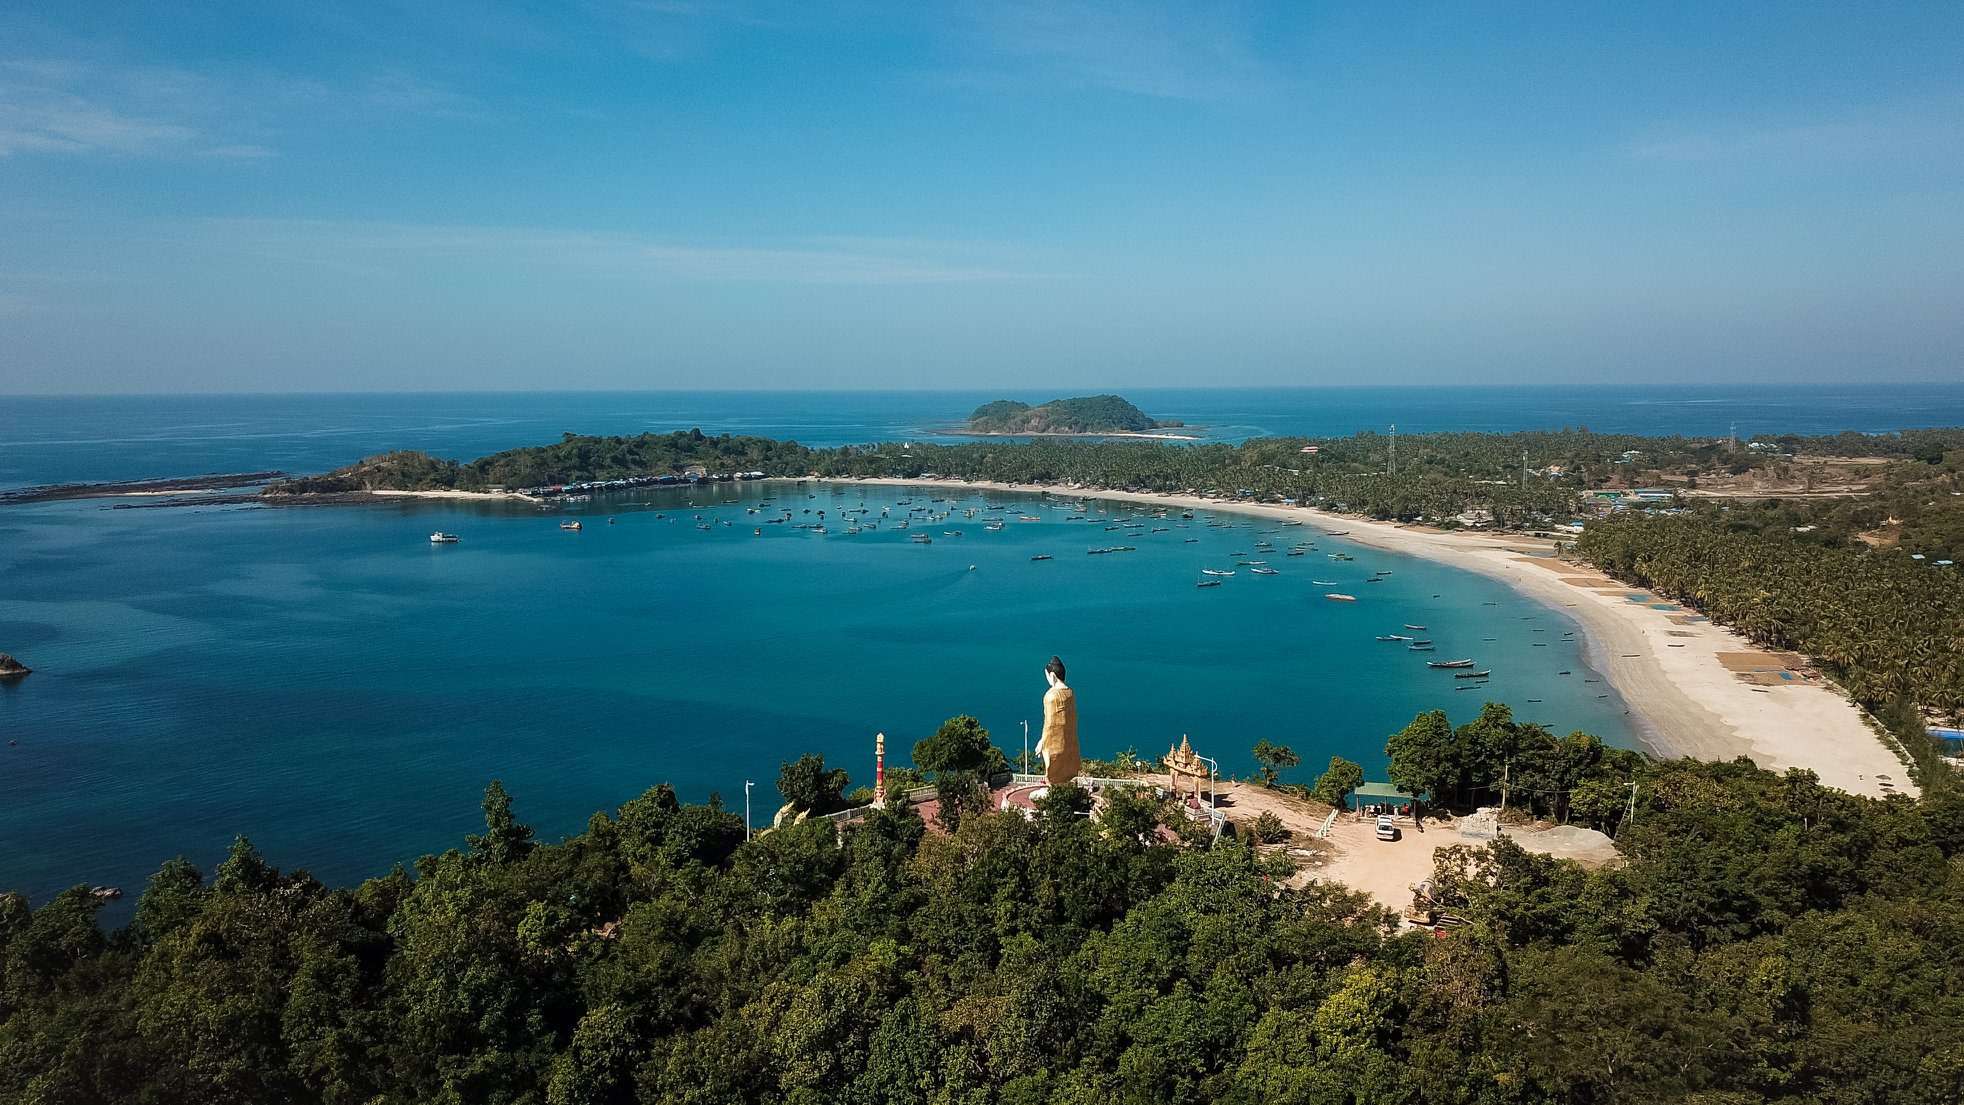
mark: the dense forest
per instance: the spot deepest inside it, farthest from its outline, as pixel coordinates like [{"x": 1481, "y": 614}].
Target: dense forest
[
  {"x": 1431, "y": 477},
  {"x": 1767, "y": 940}
]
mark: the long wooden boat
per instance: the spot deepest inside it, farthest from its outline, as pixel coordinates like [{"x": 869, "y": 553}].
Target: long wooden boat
[{"x": 1449, "y": 663}]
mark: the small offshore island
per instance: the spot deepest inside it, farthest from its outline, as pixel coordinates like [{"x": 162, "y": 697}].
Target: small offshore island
[{"x": 1085, "y": 416}]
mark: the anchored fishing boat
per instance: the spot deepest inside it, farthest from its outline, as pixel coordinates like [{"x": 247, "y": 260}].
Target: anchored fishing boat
[
  {"x": 442, "y": 538},
  {"x": 1473, "y": 674},
  {"x": 1449, "y": 663},
  {"x": 1334, "y": 597}
]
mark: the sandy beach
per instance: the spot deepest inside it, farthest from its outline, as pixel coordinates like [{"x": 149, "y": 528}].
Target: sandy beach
[
  {"x": 1138, "y": 435},
  {"x": 476, "y": 496},
  {"x": 1671, "y": 673}
]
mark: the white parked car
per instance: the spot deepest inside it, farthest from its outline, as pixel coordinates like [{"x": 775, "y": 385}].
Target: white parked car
[{"x": 1387, "y": 829}]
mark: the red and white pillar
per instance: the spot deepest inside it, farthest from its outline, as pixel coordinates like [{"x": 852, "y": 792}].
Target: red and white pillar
[{"x": 879, "y": 768}]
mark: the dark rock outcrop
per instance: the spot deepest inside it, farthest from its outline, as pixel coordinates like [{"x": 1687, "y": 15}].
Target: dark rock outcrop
[{"x": 11, "y": 668}]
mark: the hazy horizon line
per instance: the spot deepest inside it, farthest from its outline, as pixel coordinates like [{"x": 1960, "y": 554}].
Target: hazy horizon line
[{"x": 1060, "y": 390}]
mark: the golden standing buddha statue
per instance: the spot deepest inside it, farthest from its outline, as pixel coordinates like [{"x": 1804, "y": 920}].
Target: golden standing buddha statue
[{"x": 1061, "y": 762}]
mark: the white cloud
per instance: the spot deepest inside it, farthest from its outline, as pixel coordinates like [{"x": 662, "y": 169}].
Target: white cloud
[
  {"x": 1887, "y": 131},
  {"x": 41, "y": 121},
  {"x": 380, "y": 248},
  {"x": 59, "y": 106},
  {"x": 1185, "y": 51}
]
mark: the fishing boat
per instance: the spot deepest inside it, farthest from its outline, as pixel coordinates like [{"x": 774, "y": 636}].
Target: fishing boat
[
  {"x": 1265, "y": 571},
  {"x": 1324, "y": 582},
  {"x": 1449, "y": 663},
  {"x": 1420, "y": 646},
  {"x": 1409, "y": 625},
  {"x": 1217, "y": 571},
  {"x": 1473, "y": 674},
  {"x": 1041, "y": 556},
  {"x": 1334, "y": 597},
  {"x": 1208, "y": 583},
  {"x": 442, "y": 538},
  {"x": 1295, "y": 552},
  {"x": 920, "y": 539},
  {"x": 1111, "y": 549},
  {"x": 1028, "y": 518},
  {"x": 1393, "y": 637},
  {"x": 1337, "y": 532},
  {"x": 570, "y": 524}
]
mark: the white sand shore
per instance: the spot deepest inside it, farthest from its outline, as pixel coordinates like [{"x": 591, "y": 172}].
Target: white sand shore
[
  {"x": 1141, "y": 435},
  {"x": 1685, "y": 702},
  {"x": 471, "y": 495}
]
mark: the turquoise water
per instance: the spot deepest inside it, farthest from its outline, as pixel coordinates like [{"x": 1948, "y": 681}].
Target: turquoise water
[{"x": 329, "y": 683}]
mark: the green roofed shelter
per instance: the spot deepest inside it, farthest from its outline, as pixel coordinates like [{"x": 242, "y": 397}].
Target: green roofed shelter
[{"x": 1380, "y": 792}]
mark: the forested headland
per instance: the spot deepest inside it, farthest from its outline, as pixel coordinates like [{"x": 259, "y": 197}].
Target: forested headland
[{"x": 1766, "y": 940}]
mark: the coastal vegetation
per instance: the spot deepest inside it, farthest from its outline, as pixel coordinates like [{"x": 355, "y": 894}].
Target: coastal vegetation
[
  {"x": 1765, "y": 940},
  {"x": 1092, "y": 414},
  {"x": 574, "y": 458},
  {"x": 1888, "y": 627}
]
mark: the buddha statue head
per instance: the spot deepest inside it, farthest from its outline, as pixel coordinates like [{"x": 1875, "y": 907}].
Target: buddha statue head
[{"x": 1054, "y": 672}]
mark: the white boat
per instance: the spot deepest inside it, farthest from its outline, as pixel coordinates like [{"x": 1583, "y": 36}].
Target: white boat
[
  {"x": 442, "y": 538},
  {"x": 1215, "y": 572},
  {"x": 570, "y": 524},
  {"x": 1334, "y": 597},
  {"x": 1265, "y": 571}
]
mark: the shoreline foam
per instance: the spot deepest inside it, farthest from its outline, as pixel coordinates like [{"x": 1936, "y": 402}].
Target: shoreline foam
[{"x": 1684, "y": 701}]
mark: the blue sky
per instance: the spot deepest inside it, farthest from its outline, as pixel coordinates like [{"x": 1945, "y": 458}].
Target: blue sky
[{"x": 691, "y": 193}]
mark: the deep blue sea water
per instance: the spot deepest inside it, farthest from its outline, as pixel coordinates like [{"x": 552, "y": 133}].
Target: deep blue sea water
[
  {"x": 328, "y": 683},
  {"x": 65, "y": 439}
]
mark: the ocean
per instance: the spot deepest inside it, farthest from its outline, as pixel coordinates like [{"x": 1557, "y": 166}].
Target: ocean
[
  {"x": 54, "y": 440},
  {"x": 327, "y": 682}
]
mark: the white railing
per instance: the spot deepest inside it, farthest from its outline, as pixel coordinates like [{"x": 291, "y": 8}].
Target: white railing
[{"x": 1018, "y": 779}]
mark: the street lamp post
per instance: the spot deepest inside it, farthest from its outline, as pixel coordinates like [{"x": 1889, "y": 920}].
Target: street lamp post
[
  {"x": 1026, "y": 746},
  {"x": 747, "y": 784}
]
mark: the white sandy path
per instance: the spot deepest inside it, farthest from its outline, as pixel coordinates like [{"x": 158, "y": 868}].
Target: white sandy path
[{"x": 1684, "y": 701}]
